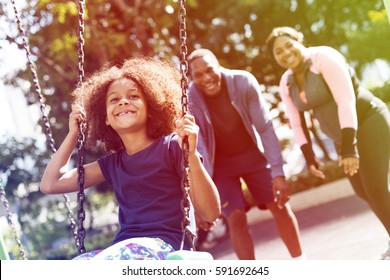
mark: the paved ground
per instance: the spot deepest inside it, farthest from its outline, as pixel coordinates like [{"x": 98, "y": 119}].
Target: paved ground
[{"x": 334, "y": 224}]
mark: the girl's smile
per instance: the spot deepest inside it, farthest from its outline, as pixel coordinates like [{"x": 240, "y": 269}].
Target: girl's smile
[{"x": 126, "y": 106}]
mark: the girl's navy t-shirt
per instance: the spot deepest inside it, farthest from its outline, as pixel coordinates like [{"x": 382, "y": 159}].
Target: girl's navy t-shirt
[{"x": 147, "y": 186}]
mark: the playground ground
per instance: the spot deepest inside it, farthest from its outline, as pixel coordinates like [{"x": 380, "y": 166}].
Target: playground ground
[{"x": 334, "y": 225}]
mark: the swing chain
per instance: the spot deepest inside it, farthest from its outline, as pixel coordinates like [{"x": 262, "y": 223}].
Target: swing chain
[
  {"x": 185, "y": 204},
  {"x": 80, "y": 196},
  {"x": 35, "y": 80},
  {"x": 81, "y": 137},
  {"x": 42, "y": 106},
  {"x": 9, "y": 219},
  {"x": 183, "y": 52},
  {"x": 80, "y": 42}
]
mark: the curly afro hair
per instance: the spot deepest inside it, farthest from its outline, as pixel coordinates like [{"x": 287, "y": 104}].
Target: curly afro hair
[{"x": 159, "y": 82}]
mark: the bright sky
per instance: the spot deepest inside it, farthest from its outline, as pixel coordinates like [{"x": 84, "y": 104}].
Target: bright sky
[{"x": 16, "y": 117}]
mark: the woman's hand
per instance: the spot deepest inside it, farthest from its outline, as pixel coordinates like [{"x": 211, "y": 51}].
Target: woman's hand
[
  {"x": 350, "y": 165},
  {"x": 186, "y": 126},
  {"x": 316, "y": 171}
]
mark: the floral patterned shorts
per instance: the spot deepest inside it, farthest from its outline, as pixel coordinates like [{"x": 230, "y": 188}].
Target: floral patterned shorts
[{"x": 142, "y": 248}]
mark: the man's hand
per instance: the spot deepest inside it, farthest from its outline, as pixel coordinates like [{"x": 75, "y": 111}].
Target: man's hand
[{"x": 281, "y": 190}]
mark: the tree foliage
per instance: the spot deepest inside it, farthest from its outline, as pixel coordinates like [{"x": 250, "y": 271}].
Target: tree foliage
[{"x": 234, "y": 30}]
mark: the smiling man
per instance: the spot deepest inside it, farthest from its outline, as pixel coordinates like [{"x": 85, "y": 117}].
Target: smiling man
[{"x": 238, "y": 142}]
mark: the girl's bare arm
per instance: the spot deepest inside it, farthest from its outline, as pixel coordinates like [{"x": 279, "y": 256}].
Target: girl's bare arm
[{"x": 58, "y": 178}]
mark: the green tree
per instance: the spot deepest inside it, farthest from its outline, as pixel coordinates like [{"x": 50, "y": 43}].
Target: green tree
[
  {"x": 234, "y": 30},
  {"x": 371, "y": 41}
]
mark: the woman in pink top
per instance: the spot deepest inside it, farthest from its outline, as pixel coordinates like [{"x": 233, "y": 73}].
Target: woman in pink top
[{"x": 319, "y": 80}]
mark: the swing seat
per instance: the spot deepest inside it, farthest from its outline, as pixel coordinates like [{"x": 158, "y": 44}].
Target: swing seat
[{"x": 189, "y": 255}]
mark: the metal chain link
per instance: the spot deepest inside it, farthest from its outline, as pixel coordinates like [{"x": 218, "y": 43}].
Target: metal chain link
[
  {"x": 81, "y": 137},
  {"x": 183, "y": 52},
  {"x": 42, "y": 107},
  {"x": 38, "y": 90},
  {"x": 185, "y": 204},
  {"x": 10, "y": 221}
]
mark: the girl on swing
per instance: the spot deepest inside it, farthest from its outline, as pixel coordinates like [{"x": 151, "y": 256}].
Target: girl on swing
[{"x": 134, "y": 111}]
